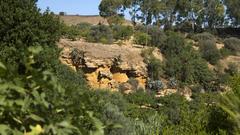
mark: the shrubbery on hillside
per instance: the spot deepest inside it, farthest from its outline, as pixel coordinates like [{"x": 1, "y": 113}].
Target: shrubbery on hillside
[
  {"x": 39, "y": 95},
  {"x": 84, "y": 29},
  {"x": 142, "y": 38},
  {"x": 70, "y": 32},
  {"x": 203, "y": 36},
  {"x": 184, "y": 63},
  {"x": 155, "y": 68},
  {"x": 100, "y": 33},
  {"x": 157, "y": 35},
  {"x": 209, "y": 51},
  {"x": 121, "y": 32},
  {"x": 230, "y": 102},
  {"x": 232, "y": 44}
]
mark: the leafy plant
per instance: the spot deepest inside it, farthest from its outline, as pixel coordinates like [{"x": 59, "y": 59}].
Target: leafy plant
[
  {"x": 142, "y": 38},
  {"x": 121, "y": 32},
  {"x": 100, "y": 33},
  {"x": 70, "y": 32},
  {"x": 232, "y": 44},
  {"x": 230, "y": 102},
  {"x": 84, "y": 29},
  {"x": 28, "y": 98},
  {"x": 209, "y": 51},
  {"x": 203, "y": 36},
  {"x": 155, "y": 68}
]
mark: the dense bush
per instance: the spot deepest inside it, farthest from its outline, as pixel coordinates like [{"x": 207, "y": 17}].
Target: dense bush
[
  {"x": 232, "y": 44},
  {"x": 100, "y": 33},
  {"x": 209, "y": 51},
  {"x": 121, "y": 32},
  {"x": 225, "y": 52},
  {"x": 157, "y": 35},
  {"x": 142, "y": 38},
  {"x": 174, "y": 44},
  {"x": 29, "y": 90},
  {"x": 39, "y": 95},
  {"x": 230, "y": 102},
  {"x": 70, "y": 32},
  {"x": 232, "y": 69},
  {"x": 23, "y": 27},
  {"x": 155, "y": 68},
  {"x": 110, "y": 108},
  {"x": 183, "y": 63},
  {"x": 203, "y": 36},
  {"x": 84, "y": 29},
  {"x": 141, "y": 98}
]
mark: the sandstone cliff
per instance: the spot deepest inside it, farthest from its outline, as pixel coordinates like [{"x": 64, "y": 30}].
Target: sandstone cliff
[{"x": 107, "y": 66}]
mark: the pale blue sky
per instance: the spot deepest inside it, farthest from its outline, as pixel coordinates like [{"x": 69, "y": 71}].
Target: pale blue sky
[{"x": 81, "y": 7}]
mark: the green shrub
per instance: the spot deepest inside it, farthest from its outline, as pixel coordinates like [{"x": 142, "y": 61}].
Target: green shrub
[
  {"x": 110, "y": 108},
  {"x": 155, "y": 68},
  {"x": 142, "y": 38},
  {"x": 141, "y": 98},
  {"x": 172, "y": 106},
  {"x": 38, "y": 94},
  {"x": 33, "y": 96},
  {"x": 225, "y": 52},
  {"x": 183, "y": 63},
  {"x": 203, "y": 36},
  {"x": 117, "y": 123},
  {"x": 157, "y": 35},
  {"x": 209, "y": 51},
  {"x": 31, "y": 28},
  {"x": 154, "y": 124},
  {"x": 121, "y": 32},
  {"x": 84, "y": 29},
  {"x": 232, "y": 69},
  {"x": 232, "y": 44},
  {"x": 71, "y": 32},
  {"x": 147, "y": 54},
  {"x": 100, "y": 33},
  {"x": 173, "y": 45},
  {"x": 230, "y": 102},
  {"x": 219, "y": 121}
]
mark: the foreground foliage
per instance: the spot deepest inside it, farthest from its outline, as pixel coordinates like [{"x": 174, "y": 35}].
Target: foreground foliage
[{"x": 39, "y": 95}]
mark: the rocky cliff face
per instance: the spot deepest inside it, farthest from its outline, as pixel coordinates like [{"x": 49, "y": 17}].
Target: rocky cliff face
[{"x": 106, "y": 66}]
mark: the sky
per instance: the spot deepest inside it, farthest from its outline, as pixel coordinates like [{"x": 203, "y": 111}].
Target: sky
[{"x": 71, "y": 7}]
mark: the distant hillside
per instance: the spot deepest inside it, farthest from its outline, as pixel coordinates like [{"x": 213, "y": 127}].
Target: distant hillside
[{"x": 92, "y": 19}]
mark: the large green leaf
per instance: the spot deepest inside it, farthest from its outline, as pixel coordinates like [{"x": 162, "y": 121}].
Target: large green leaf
[
  {"x": 4, "y": 129},
  {"x": 98, "y": 125},
  {"x": 2, "y": 66},
  {"x": 11, "y": 86},
  {"x": 36, "y": 118}
]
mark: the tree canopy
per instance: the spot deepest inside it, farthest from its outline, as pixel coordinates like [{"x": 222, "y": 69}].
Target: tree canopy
[{"x": 167, "y": 13}]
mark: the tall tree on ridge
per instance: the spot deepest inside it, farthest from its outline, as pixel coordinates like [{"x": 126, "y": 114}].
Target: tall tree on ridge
[{"x": 233, "y": 10}]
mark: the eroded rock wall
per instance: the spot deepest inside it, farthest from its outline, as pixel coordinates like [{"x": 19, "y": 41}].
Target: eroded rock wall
[{"x": 106, "y": 66}]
